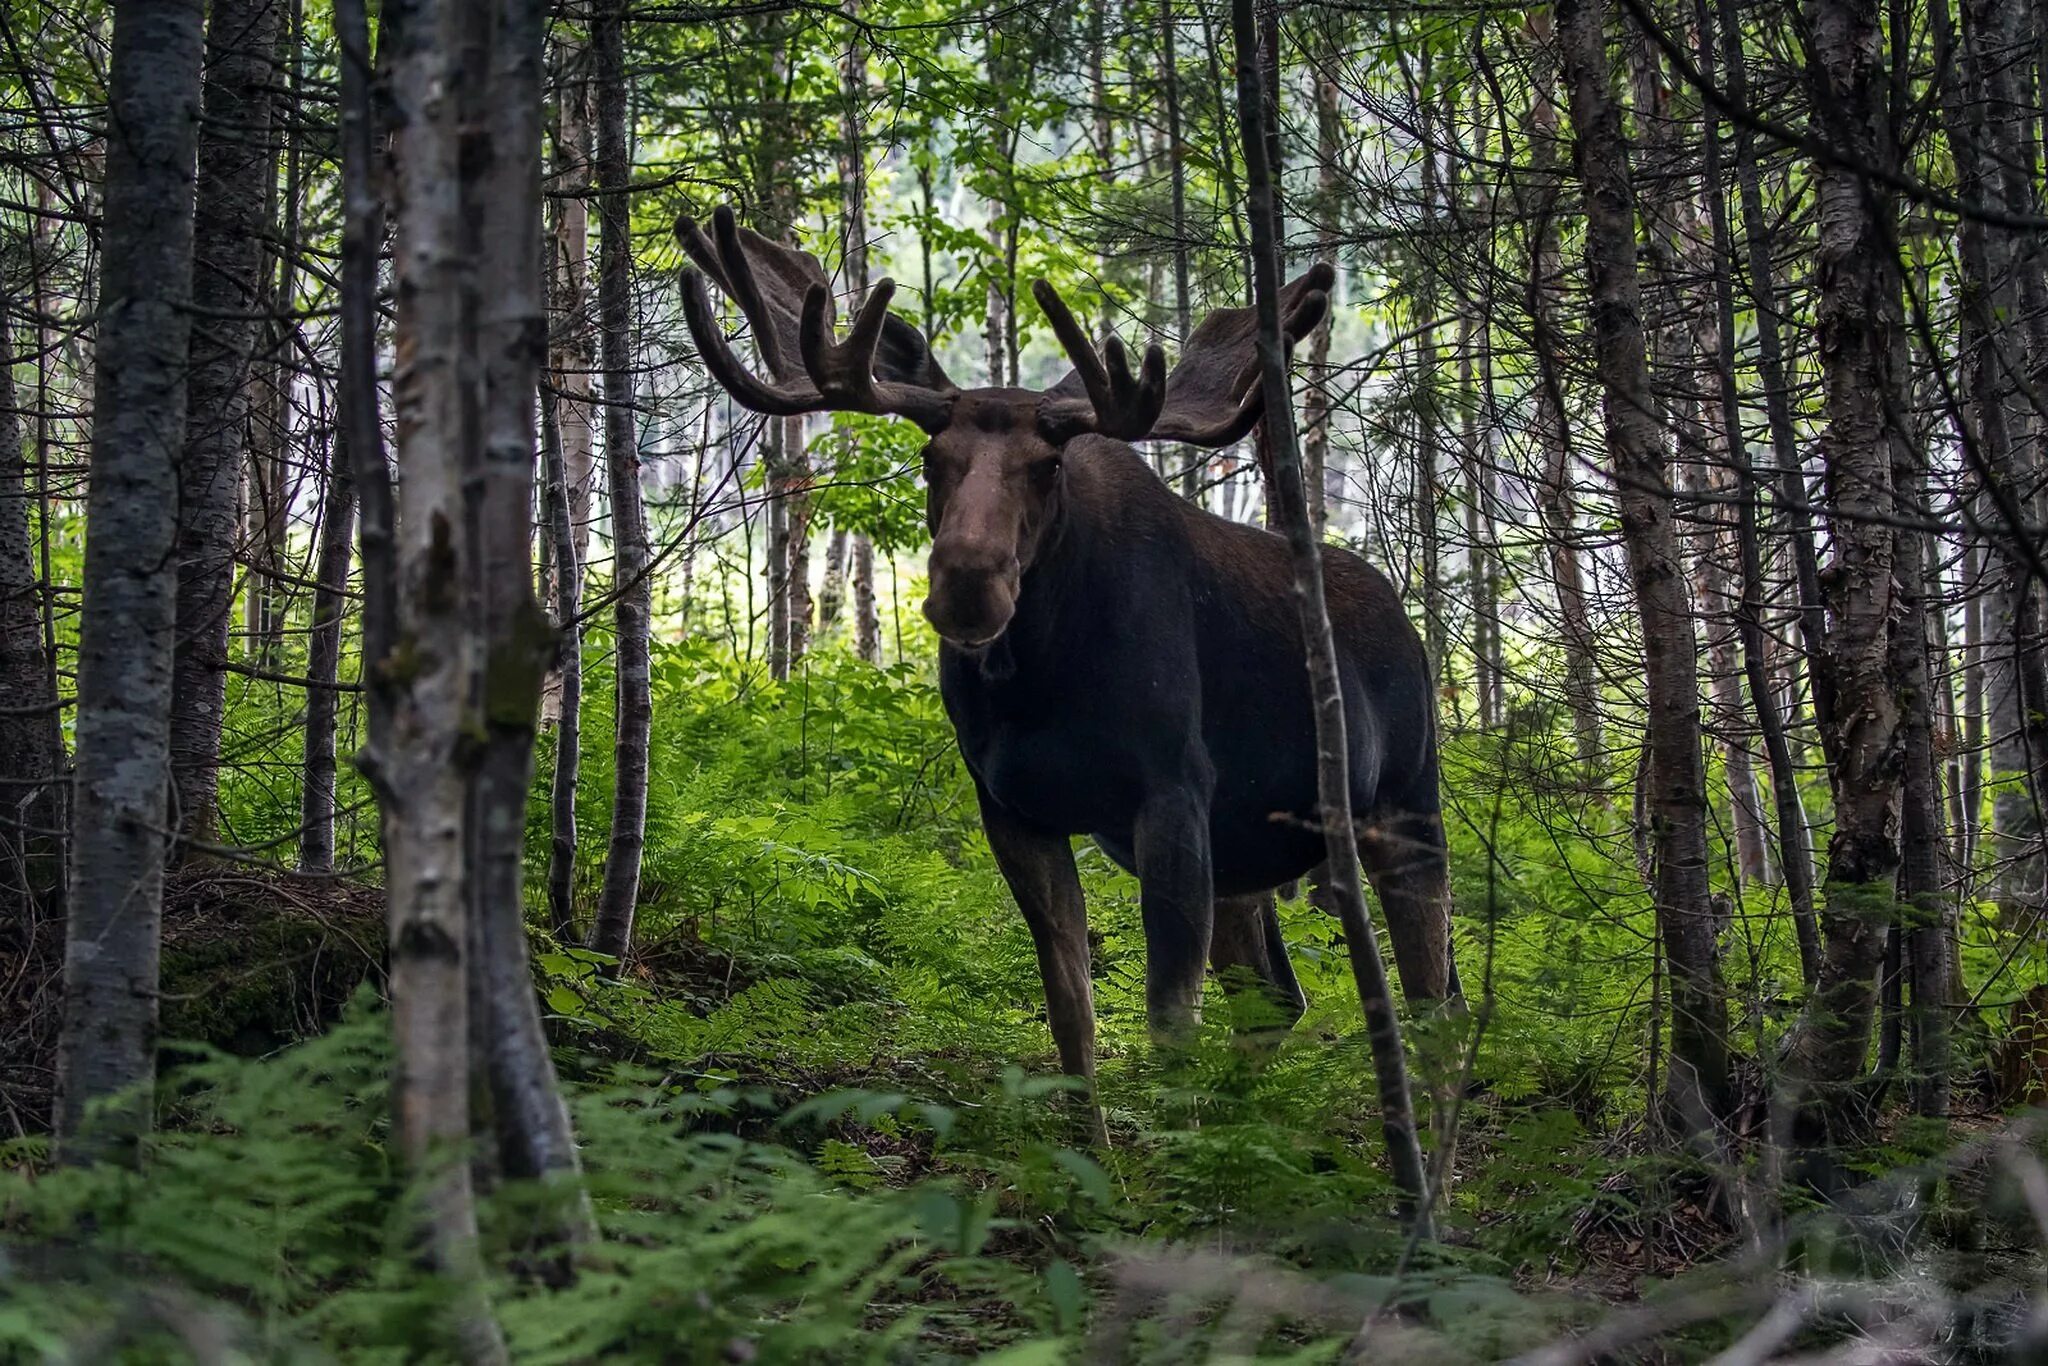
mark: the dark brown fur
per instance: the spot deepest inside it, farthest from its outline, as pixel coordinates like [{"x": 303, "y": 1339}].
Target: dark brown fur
[{"x": 1117, "y": 662}]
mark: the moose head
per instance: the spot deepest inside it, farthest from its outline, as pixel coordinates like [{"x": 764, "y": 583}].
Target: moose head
[{"x": 993, "y": 467}]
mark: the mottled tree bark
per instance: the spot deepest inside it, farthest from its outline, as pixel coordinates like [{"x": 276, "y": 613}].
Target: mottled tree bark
[
  {"x": 798, "y": 499},
  {"x": 106, "y": 1048},
  {"x": 867, "y": 624},
  {"x": 867, "y": 614},
  {"x": 1925, "y": 927},
  {"x": 1290, "y": 503},
  {"x": 1855, "y": 255},
  {"x": 422, "y": 761},
  {"x": 1987, "y": 126},
  {"x": 503, "y": 217},
  {"x": 571, "y": 361},
  {"x": 832, "y": 593},
  {"x": 612, "y": 930},
  {"x": 1698, "y": 1078},
  {"x": 236, "y": 167},
  {"x": 1482, "y": 566}
]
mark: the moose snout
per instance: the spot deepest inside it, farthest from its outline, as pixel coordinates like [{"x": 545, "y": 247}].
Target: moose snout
[{"x": 973, "y": 592}]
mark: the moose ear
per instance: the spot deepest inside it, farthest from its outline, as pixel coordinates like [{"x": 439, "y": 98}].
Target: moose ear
[{"x": 1062, "y": 418}]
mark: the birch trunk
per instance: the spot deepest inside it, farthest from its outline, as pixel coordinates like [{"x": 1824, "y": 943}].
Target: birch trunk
[
  {"x": 424, "y": 683},
  {"x": 1857, "y": 298},
  {"x": 568, "y": 678},
  {"x": 612, "y": 930},
  {"x": 106, "y": 1046},
  {"x": 535, "y": 1141},
  {"x": 571, "y": 361},
  {"x": 1315, "y": 443}
]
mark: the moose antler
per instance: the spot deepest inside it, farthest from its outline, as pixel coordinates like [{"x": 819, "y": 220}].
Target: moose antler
[
  {"x": 783, "y": 294},
  {"x": 1119, "y": 405},
  {"x": 1212, "y": 398}
]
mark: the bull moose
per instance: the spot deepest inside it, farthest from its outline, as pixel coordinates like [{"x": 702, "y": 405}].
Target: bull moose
[{"x": 1117, "y": 662}]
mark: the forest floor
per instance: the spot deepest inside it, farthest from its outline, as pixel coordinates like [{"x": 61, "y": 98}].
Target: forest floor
[{"x": 825, "y": 1095}]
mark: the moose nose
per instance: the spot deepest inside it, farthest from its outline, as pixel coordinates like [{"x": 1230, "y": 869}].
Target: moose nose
[{"x": 973, "y": 591}]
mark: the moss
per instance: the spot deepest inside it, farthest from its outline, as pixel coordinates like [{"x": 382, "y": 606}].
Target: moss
[
  {"x": 252, "y": 963},
  {"x": 517, "y": 667}
]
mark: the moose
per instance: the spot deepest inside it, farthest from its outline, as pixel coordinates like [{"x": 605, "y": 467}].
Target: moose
[{"x": 1117, "y": 662}]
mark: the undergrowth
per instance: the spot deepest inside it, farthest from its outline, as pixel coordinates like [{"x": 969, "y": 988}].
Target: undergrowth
[{"x": 821, "y": 1122}]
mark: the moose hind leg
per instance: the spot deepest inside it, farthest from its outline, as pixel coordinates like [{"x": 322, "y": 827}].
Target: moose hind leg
[
  {"x": 1246, "y": 939},
  {"x": 1176, "y": 899},
  {"x": 1404, "y": 857},
  {"x": 1039, "y": 866}
]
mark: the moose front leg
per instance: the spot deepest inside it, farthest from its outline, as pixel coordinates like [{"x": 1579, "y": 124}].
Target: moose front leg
[
  {"x": 1177, "y": 899},
  {"x": 1039, "y": 866}
]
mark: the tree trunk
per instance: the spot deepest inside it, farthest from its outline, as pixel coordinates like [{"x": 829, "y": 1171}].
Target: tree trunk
[
  {"x": 31, "y": 737},
  {"x": 235, "y": 170},
  {"x": 1333, "y": 782},
  {"x": 1855, "y": 257},
  {"x": 323, "y": 663},
  {"x": 570, "y": 358},
  {"x": 1482, "y": 573},
  {"x": 568, "y": 678},
  {"x": 1759, "y": 239},
  {"x": 424, "y": 683},
  {"x": 1795, "y": 838},
  {"x": 612, "y": 930},
  {"x": 1315, "y": 443},
  {"x": 106, "y": 1048},
  {"x": 1922, "y": 895},
  {"x": 519, "y": 642},
  {"x": 1987, "y": 128},
  {"x": 272, "y": 476},
  {"x": 867, "y": 615},
  {"x": 776, "y": 477},
  {"x": 1698, "y": 1076},
  {"x": 1555, "y": 502},
  {"x": 832, "y": 594},
  {"x": 798, "y": 586}
]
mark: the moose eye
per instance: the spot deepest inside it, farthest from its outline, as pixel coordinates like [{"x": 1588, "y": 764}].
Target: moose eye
[{"x": 1046, "y": 472}]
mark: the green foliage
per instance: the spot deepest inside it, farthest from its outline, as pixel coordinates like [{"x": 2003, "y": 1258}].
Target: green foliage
[{"x": 821, "y": 1114}]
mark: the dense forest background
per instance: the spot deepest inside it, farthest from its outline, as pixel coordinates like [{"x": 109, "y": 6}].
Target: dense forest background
[{"x": 484, "y": 869}]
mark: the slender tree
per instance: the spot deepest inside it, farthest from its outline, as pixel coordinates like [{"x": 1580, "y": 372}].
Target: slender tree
[
  {"x": 31, "y": 740},
  {"x": 1290, "y": 501},
  {"x": 1675, "y": 774},
  {"x": 503, "y": 217},
  {"x": 323, "y": 665},
  {"x": 1857, "y": 279},
  {"x": 236, "y": 168},
  {"x": 106, "y": 1050},
  {"x": 612, "y": 930}
]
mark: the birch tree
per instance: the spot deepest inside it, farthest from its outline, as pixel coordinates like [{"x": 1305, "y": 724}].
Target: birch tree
[{"x": 106, "y": 1050}]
